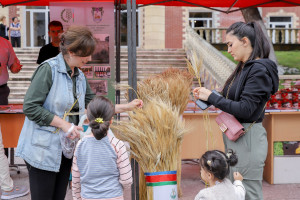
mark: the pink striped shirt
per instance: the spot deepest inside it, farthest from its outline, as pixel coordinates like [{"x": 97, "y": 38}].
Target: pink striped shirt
[{"x": 123, "y": 165}]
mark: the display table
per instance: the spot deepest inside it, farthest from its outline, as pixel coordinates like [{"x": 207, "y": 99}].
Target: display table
[
  {"x": 280, "y": 126},
  {"x": 196, "y": 142},
  {"x": 11, "y": 120}
]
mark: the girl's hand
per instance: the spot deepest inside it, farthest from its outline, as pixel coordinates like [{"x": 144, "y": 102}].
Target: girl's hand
[
  {"x": 136, "y": 103},
  {"x": 201, "y": 93},
  {"x": 237, "y": 176}
]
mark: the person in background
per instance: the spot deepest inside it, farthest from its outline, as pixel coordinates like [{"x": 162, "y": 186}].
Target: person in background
[
  {"x": 55, "y": 28},
  {"x": 3, "y": 27},
  {"x": 245, "y": 94},
  {"x": 55, "y": 101},
  {"x": 214, "y": 169},
  {"x": 15, "y": 33},
  {"x": 101, "y": 167},
  {"x": 8, "y": 60}
]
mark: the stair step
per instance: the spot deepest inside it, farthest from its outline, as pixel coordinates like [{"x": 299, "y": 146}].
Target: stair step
[{"x": 15, "y": 101}]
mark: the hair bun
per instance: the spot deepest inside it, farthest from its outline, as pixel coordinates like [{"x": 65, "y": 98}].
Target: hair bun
[
  {"x": 232, "y": 158},
  {"x": 94, "y": 125}
]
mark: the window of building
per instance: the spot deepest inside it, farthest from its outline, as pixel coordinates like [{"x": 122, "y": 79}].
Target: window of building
[
  {"x": 280, "y": 23},
  {"x": 123, "y": 25},
  {"x": 37, "y": 19},
  {"x": 202, "y": 20}
]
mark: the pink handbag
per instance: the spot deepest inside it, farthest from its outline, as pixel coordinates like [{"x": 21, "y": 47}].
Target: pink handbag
[{"x": 230, "y": 126}]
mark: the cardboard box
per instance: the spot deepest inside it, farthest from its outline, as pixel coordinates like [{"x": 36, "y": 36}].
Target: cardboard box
[{"x": 286, "y": 169}]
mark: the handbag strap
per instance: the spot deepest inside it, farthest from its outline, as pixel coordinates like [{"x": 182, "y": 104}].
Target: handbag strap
[{"x": 260, "y": 113}]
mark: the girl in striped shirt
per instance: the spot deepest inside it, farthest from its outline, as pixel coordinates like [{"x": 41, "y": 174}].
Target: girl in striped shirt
[{"x": 101, "y": 168}]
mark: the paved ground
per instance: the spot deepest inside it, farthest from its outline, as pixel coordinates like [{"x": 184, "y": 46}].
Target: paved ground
[{"x": 191, "y": 185}]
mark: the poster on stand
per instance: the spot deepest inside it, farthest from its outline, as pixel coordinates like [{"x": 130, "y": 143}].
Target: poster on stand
[
  {"x": 99, "y": 18},
  {"x": 99, "y": 87}
]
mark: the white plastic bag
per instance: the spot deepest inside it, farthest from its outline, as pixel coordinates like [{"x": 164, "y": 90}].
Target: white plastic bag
[{"x": 67, "y": 144}]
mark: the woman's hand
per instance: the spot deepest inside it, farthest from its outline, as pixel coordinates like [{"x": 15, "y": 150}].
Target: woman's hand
[
  {"x": 237, "y": 176},
  {"x": 72, "y": 131},
  {"x": 201, "y": 93}
]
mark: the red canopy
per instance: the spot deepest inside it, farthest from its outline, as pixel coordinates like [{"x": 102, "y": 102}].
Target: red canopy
[{"x": 200, "y": 3}]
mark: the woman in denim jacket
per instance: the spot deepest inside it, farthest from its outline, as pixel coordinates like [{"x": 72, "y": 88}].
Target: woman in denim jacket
[{"x": 56, "y": 85}]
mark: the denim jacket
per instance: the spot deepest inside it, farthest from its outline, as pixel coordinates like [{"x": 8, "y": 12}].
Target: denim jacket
[{"x": 40, "y": 145}]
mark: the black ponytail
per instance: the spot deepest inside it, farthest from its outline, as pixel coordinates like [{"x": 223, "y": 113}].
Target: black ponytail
[
  {"x": 99, "y": 112},
  {"x": 258, "y": 40},
  {"x": 217, "y": 162}
]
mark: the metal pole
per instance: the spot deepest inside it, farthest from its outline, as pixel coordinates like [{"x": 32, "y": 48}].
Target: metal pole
[
  {"x": 129, "y": 49},
  {"x": 130, "y": 82},
  {"x": 134, "y": 85},
  {"x": 133, "y": 41},
  {"x": 118, "y": 50}
]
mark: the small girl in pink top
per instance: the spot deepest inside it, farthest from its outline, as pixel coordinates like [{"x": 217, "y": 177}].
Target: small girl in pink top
[{"x": 101, "y": 168}]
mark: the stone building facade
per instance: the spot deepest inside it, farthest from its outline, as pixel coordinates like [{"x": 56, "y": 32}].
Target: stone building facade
[{"x": 159, "y": 27}]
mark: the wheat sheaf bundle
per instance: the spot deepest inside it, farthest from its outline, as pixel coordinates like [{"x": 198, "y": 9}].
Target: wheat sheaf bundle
[{"x": 155, "y": 134}]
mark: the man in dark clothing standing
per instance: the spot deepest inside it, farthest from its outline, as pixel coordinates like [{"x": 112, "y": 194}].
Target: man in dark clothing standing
[{"x": 52, "y": 49}]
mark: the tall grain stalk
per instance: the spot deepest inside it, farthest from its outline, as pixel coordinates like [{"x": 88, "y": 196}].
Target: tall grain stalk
[{"x": 194, "y": 64}]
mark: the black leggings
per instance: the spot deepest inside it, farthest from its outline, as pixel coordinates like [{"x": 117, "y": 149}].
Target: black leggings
[
  {"x": 46, "y": 185},
  {"x": 15, "y": 41}
]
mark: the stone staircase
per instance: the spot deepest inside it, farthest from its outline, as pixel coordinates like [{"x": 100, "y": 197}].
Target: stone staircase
[
  {"x": 149, "y": 62},
  {"x": 19, "y": 83}
]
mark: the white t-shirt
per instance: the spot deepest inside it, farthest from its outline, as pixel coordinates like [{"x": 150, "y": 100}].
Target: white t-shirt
[{"x": 224, "y": 190}]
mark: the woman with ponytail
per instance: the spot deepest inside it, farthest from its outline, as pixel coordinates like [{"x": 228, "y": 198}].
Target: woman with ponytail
[
  {"x": 101, "y": 167},
  {"x": 245, "y": 95},
  {"x": 214, "y": 169}
]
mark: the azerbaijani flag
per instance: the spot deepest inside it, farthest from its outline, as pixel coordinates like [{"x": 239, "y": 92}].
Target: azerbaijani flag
[{"x": 164, "y": 184}]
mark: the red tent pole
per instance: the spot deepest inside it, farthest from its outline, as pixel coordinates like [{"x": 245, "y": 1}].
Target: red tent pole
[{"x": 20, "y": 2}]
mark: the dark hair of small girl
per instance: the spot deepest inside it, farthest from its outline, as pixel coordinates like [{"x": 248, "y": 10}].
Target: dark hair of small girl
[
  {"x": 217, "y": 162},
  {"x": 99, "y": 112}
]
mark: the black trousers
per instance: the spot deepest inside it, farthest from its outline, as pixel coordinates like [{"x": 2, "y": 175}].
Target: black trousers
[
  {"x": 16, "y": 41},
  {"x": 4, "y": 92},
  {"x": 46, "y": 185}
]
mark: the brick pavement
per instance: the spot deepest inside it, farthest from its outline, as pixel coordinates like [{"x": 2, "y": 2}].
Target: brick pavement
[{"x": 191, "y": 185}]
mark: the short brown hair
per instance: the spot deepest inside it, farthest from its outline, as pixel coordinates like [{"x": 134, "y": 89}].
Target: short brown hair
[
  {"x": 79, "y": 40},
  {"x": 2, "y": 17},
  {"x": 56, "y": 24}
]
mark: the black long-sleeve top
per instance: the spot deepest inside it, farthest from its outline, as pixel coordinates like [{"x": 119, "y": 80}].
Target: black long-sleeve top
[{"x": 256, "y": 82}]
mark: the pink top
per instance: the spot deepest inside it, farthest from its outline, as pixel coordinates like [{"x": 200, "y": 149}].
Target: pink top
[{"x": 7, "y": 59}]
